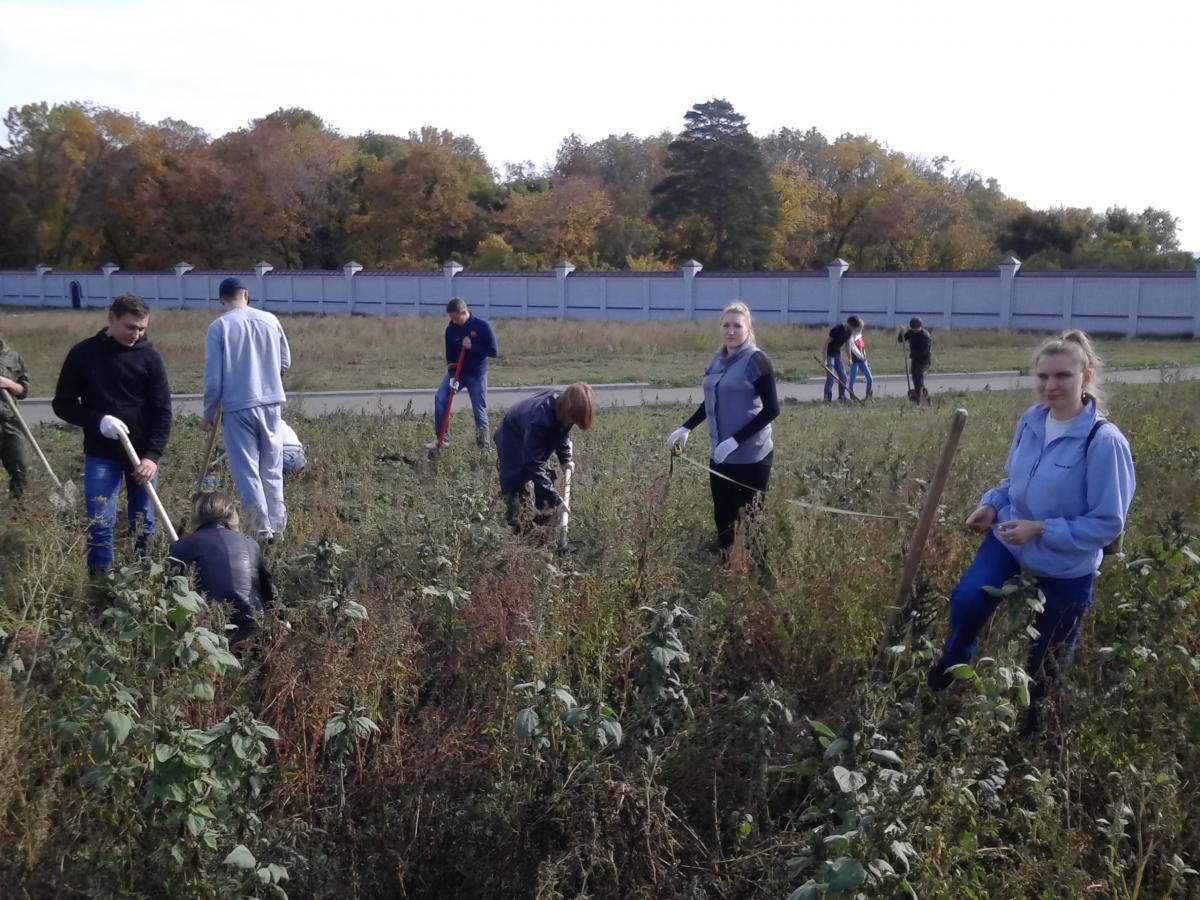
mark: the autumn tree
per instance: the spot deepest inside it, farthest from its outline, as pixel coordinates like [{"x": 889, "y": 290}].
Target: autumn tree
[{"x": 717, "y": 202}]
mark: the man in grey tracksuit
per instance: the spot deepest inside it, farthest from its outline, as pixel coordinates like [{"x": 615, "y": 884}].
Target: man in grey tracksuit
[{"x": 245, "y": 356}]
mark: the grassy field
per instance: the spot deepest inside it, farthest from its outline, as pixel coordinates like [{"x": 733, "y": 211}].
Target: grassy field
[
  {"x": 357, "y": 353},
  {"x": 632, "y": 721}
]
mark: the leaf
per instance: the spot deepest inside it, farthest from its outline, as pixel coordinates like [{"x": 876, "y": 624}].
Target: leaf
[
  {"x": 837, "y": 748},
  {"x": 118, "y": 724},
  {"x": 804, "y": 769},
  {"x": 266, "y": 731},
  {"x": 810, "y": 890},
  {"x": 352, "y": 610},
  {"x": 333, "y": 728},
  {"x": 565, "y": 696},
  {"x": 97, "y": 677},
  {"x": 962, "y": 671},
  {"x": 888, "y": 755},
  {"x": 203, "y": 689},
  {"x": 821, "y": 728},
  {"x": 848, "y": 874},
  {"x": 847, "y": 780},
  {"x": 278, "y": 873},
  {"x": 526, "y": 723}
]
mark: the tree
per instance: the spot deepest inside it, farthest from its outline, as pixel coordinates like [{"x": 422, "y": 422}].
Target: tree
[{"x": 717, "y": 197}]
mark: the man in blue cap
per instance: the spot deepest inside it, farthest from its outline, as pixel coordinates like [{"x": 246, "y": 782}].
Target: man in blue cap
[{"x": 245, "y": 356}]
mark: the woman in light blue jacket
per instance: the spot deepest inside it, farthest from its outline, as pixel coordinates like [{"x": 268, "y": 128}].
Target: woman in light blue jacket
[{"x": 1067, "y": 494}]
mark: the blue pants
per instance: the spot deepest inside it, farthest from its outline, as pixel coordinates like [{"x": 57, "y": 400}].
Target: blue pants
[
  {"x": 476, "y": 386},
  {"x": 860, "y": 365},
  {"x": 1067, "y": 600},
  {"x": 254, "y": 443},
  {"x": 102, "y": 479},
  {"x": 835, "y": 363}
]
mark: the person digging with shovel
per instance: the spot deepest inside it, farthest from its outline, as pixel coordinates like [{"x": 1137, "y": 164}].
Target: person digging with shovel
[
  {"x": 529, "y": 432},
  {"x": 15, "y": 380},
  {"x": 470, "y": 342},
  {"x": 111, "y": 385}
]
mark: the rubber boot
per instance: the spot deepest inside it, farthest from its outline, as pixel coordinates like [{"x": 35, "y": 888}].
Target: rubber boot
[{"x": 483, "y": 439}]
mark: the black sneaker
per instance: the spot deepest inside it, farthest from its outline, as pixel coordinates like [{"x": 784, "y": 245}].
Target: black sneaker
[{"x": 939, "y": 677}]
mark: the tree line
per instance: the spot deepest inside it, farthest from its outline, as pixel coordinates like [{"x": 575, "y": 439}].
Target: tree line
[{"x": 82, "y": 185}]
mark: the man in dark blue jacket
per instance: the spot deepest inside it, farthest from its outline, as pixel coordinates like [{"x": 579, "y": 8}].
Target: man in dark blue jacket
[
  {"x": 528, "y": 434},
  {"x": 112, "y": 383},
  {"x": 474, "y": 335}
]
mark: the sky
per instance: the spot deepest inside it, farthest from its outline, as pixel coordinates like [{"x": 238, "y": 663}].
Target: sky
[{"x": 1065, "y": 103}]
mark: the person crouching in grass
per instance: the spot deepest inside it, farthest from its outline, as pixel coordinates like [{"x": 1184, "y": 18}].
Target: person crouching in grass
[{"x": 530, "y": 432}]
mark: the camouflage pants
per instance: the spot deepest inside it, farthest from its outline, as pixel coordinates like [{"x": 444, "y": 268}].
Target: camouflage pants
[{"x": 13, "y": 455}]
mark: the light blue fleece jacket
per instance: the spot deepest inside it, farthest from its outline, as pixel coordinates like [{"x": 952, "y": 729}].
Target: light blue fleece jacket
[
  {"x": 1081, "y": 500},
  {"x": 245, "y": 356}
]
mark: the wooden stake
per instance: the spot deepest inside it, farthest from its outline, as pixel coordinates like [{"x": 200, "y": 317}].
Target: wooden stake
[{"x": 933, "y": 496}]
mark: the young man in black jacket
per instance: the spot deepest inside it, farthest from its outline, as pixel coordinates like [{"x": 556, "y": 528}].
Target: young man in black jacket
[
  {"x": 920, "y": 348},
  {"x": 112, "y": 383}
]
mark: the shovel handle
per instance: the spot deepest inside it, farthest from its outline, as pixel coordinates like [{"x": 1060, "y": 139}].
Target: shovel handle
[
  {"x": 12, "y": 404},
  {"x": 212, "y": 442},
  {"x": 149, "y": 486},
  {"x": 564, "y": 519}
]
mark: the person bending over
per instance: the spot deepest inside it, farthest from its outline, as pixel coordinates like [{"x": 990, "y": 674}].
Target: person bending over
[{"x": 839, "y": 336}]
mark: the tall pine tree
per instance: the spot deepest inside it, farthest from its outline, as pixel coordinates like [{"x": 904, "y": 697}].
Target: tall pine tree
[{"x": 717, "y": 201}]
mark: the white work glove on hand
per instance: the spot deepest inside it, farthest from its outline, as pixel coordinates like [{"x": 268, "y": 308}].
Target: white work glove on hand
[
  {"x": 112, "y": 428},
  {"x": 678, "y": 437},
  {"x": 723, "y": 450},
  {"x": 455, "y": 385}
]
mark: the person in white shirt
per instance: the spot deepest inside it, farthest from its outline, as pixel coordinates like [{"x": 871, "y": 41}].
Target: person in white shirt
[{"x": 294, "y": 460}]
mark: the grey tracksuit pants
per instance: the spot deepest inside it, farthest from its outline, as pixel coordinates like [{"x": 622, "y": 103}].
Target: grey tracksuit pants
[{"x": 254, "y": 442}]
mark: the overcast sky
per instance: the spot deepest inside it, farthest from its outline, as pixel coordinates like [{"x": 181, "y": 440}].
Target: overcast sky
[{"x": 1064, "y": 102}]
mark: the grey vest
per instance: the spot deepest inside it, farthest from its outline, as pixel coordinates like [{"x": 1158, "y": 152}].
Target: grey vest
[{"x": 730, "y": 402}]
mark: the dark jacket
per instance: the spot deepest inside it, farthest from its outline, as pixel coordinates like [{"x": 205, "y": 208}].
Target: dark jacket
[
  {"x": 101, "y": 377},
  {"x": 920, "y": 344},
  {"x": 838, "y": 335},
  {"x": 229, "y": 569},
  {"x": 12, "y": 366},
  {"x": 483, "y": 345},
  {"x": 527, "y": 436}
]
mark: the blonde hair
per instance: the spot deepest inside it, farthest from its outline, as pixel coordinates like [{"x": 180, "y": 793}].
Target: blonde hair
[
  {"x": 741, "y": 309},
  {"x": 1078, "y": 346},
  {"x": 214, "y": 506}
]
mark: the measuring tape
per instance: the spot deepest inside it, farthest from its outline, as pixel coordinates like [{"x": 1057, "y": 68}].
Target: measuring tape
[{"x": 676, "y": 451}]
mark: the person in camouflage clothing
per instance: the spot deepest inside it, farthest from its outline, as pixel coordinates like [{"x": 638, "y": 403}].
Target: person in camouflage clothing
[{"x": 15, "y": 380}]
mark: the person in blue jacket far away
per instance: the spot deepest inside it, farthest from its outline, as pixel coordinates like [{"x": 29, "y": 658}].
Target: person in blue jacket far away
[{"x": 1066, "y": 496}]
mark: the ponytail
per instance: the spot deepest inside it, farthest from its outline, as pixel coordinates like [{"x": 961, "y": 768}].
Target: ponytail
[{"x": 1078, "y": 346}]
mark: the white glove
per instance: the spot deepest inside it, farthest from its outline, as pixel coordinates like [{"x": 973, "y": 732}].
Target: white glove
[
  {"x": 723, "y": 450},
  {"x": 454, "y": 385},
  {"x": 678, "y": 437},
  {"x": 112, "y": 428}
]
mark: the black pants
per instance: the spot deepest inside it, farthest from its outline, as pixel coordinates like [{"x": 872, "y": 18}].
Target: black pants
[
  {"x": 919, "y": 368},
  {"x": 729, "y": 499}
]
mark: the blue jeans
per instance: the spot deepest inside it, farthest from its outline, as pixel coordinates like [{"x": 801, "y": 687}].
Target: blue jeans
[
  {"x": 835, "y": 363},
  {"x": 860, "y": 365},
  {"x": 476, "y": 385},
  {"x": 1067, "y": 600},
  {"x": 101, "y": 481}
]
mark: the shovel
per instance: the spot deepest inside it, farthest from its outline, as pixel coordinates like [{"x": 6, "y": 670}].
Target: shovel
[
  {"x": 149, "y": 486},
  {"x": 841, "y": 383},
  {"x": 212, "y": 442},
  {"x": 67, "y": 494},
  {"x": 445, "y": 426}
]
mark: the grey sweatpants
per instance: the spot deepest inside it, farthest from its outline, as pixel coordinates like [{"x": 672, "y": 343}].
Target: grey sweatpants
[{"x": 254, "y": 442}]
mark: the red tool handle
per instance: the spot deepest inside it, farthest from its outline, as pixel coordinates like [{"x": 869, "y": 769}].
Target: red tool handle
[{"x": 445, "y": 426}]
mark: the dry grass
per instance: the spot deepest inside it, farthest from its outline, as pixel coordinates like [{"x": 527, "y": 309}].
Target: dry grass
[{"x": 359, "y": 353}]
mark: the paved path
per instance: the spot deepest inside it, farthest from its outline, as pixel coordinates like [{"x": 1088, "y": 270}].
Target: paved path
[{"x": 317, "y": 403}]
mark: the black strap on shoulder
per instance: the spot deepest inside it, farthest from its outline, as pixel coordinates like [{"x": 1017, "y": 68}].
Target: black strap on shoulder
[{"x": 1100, "y": 423}]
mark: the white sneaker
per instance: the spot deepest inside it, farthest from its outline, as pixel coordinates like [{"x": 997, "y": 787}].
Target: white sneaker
[{"x": 434, "y": 445}]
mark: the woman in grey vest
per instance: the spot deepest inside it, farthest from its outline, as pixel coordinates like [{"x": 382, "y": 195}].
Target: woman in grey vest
[{"x": 740, "y": 402}]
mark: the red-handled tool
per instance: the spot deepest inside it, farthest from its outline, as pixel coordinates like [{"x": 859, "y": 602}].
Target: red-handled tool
[{"x": 454, "y": 382}]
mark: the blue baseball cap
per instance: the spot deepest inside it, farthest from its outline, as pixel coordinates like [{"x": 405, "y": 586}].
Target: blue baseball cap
[{"x": 229, "y": 287}]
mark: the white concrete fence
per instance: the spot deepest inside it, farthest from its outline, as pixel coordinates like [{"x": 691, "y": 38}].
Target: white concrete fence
[{"x": 1130, "y": 303}]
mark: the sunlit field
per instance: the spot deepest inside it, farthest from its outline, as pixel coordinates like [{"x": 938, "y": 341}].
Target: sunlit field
[{"x": 461, "y": 713}]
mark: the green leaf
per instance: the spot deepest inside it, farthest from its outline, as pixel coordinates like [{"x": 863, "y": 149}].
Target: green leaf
[
  {"x": 837, "y": 748},
  {"x": 810, "y": 890},
  {"x": 266, "y": 731},
  {"x": 195, "y": 824},
  {"x": 333, "y": 728},
  {"x": 821, "y": 728},
  {"x": 97, "y": 677},
  {"x": 163, "y": 752},
  {"x": 804, "y": 769},
  {"x": 887, "y": 755},
  {"x": 848, "y": 874},
  {"x": 118, "y": 724},
  {"x": 962, "y": 672},
  {"x": 565, "y": 696},
  {"x": 203, "y": 690},
  {"x": 526, "y": 723},
  {"x": 352, "y": 610},
  {"x": 278, "y": 873}
]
